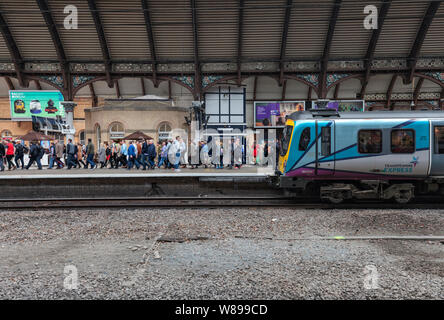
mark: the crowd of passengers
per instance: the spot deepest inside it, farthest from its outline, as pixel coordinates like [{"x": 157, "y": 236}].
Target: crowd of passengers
[{"x": 141, "y": 154}]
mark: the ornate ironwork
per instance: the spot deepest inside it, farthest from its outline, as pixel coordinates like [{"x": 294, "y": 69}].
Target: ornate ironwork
[
  {"x": 188, "y": 80},
  {"x": 56, "y": 80},
  {"x": 301, "y": 66},
  {"x": 207, "y": 80},
  {"x": 436, "y": 75},
  {"x": 87, "y": 67},
  {"x": 430, "y": 63},
  {"x": 50, "y": 66},
  {"x": 356, "y": 65},
  {"x": 7, "y": 67},
  {"x": 389, "y": 64},
  {"x": 311, "y": 78},
  {"x": 132, "y": 67},
  {"x": 260, "y": 66},
  {"x": 333, "y": 77},
  {"x": 79, "y": 80},
  {"x": 175, "y": 67},
  {"x": 223, "y": 67}
]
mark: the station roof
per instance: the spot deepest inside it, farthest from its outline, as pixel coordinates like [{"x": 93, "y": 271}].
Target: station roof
[{"x": 220, "y": 37}]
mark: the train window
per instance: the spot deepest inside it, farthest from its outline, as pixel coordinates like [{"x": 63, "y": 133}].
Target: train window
[
  {"x": 403, "y": 141},
  {"x": 285, "y": 142},
  {"x": 304, "y": 140},
  {"x": 325, "y": 141},
  {"x": 439, "y": 139},
  {"x": 370, "y": 141}
]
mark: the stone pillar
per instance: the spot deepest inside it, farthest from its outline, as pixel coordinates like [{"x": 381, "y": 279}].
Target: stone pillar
[{"x": 69, "y": 114}]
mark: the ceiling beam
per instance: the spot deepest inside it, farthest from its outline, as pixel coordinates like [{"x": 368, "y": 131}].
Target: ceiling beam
[
  {"x": 284, "y": 89},
  {"x": 142, "y": 83},
  {"x": 170, "y": 92},
  {"x": 13, "y": 50},
  {"x": 372, "y": 44},
  {"x": 284, "y": 40},
  {"x": 102, "y": 39},
  {"x": 116, "y": 84},
  {"x": 93, "y": 95},
  {"x": 327, "y": 46},
  {"x": 240, "y": 26},
  {"x": 420, "y": 37},
  {"x": 310, "y": 91},
  {"x": 390, "y": 90},
  {"x": 37, "y": 84},
  {"x": 9, "y": 83},
  {"x": 336, "y": 93},
  {"x": 197, "y": 74},
  {"x": 255, "y": 87},
  {"x": 52, "y": 28},
  {"x": 418, "y": 89},
  {"x": 149, "y": 30}
]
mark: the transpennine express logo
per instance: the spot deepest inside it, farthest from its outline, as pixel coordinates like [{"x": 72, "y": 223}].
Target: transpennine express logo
[{"x": 415, "y": 161}]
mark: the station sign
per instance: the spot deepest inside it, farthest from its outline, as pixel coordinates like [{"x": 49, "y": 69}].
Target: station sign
[
  {"x": 40, "y": 103},
  {"x": 271, "y": 114}
]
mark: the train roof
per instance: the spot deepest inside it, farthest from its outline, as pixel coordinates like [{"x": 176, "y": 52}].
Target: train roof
[{"x": 333, "y": 114}]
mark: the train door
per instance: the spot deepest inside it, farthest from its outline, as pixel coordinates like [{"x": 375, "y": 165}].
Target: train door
[
  {"x": 437, "y": 150},
  {"x": 325, "y": 159}
]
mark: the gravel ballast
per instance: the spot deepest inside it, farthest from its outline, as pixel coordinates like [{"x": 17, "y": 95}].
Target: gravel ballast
[{"x": 232, "y": 253}]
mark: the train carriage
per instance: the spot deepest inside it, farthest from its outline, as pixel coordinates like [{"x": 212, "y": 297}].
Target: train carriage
[{"x": 344, "y": 155}]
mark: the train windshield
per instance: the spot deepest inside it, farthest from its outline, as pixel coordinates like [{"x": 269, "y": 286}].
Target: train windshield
[{"x": 285, "y": 142}]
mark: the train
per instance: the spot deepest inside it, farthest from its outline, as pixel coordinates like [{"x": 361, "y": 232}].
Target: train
[{"x": 385, "y": 155}]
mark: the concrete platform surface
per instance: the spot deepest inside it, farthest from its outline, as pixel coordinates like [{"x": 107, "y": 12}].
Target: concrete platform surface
[{"x": 33, "y": 173}]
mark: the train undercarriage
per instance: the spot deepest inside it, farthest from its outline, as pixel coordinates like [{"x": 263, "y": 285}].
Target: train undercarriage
[{"x": 337, "y": 192}]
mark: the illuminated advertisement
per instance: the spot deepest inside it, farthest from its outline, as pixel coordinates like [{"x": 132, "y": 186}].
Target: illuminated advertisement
[
  {"x": 42, "y": 103},
  {"x": 271, "y": 114}
]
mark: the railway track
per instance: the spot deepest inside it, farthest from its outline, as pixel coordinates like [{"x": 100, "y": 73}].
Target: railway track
[{"x": 208, "y": 202}]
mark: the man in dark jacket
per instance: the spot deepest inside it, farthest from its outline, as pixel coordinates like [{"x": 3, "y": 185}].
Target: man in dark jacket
[
  {"x": 20, "y": 151},
  {"x": 90, "y": 155},
  {"x": 144, "y": 159},
  {"x": 34, "y": 155},
  {"x": 151, "y": 154},
  {"x": 70, "y": 152},
  {"x": 2, "y": 156}
]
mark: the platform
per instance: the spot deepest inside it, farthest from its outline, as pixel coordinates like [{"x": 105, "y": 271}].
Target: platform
[{"x": 33, "y": 173}]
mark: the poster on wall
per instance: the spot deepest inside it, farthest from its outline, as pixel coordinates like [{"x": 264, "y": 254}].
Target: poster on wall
[
  {"x": 41, "y": 103},
  {"x": 343, "y": 105},
  {"x": 271, "y": 114}
]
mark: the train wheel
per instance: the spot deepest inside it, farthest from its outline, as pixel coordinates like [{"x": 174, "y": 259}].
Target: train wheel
[
  {"x": 403, "y": 196},
  {"x": 334, "y": 197}
]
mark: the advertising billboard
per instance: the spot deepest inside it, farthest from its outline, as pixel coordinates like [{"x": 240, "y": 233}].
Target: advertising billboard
[
  {"x": 41, "y": 103},
  {"x": 343, "y": 105},
  {"x": 271, "y": 114}
]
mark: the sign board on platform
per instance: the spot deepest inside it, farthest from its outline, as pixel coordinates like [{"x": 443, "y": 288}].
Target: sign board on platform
[{"x": 40, "y": 103}]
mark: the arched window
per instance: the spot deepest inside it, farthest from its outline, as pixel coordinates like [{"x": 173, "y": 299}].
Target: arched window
[
  {"x": 6, "y": 134},
  {"x": 82, "y": 137},
  {"x": 116, "y": 131},
  {"x": 98, "y": 136},
  {"x": 164, "y": 131}
]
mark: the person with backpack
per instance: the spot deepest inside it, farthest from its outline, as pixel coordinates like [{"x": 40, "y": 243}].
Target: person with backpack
[
  {"x": 90, "y": 155},
  {"x": 10, "y": 155},
  {"x": 34, "y": 155},
  {"x": 20, "y": 151}
]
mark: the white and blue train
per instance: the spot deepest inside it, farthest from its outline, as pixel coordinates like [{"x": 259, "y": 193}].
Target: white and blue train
[{"x": 363, "y": 155}]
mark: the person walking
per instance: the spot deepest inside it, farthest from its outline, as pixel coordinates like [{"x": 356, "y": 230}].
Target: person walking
[
  {"x": 183, "y": 153},
  {"x": 2, "y": 156},
  {"x": 151, "y": 154},
  {"x": 20, "y": 151},
  {"x": 51, "y": 156},
  {"x": 132, "y": 156},
  {"x": 90, "y": 155},
  {"x": 176, "y": 148},
  {"x": 108, "y": 154},
  {"x": 144, "y": 151},
  {"x": 102, "y": 155},
  {"x": 163, "y": 155},
  {"x": 80, "y": 155},
  {"x": 70, "y": 153},
  {"x": 59, "y": 147},
  {"x": 204, "y": 154},
  {"x": 9, "y": 155},
  {"x": 123, "y": 154},
  {"x": 116, "y": 154},
  {"x": 237, "y": 153},
  {"x": 35, "y": 155}
]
